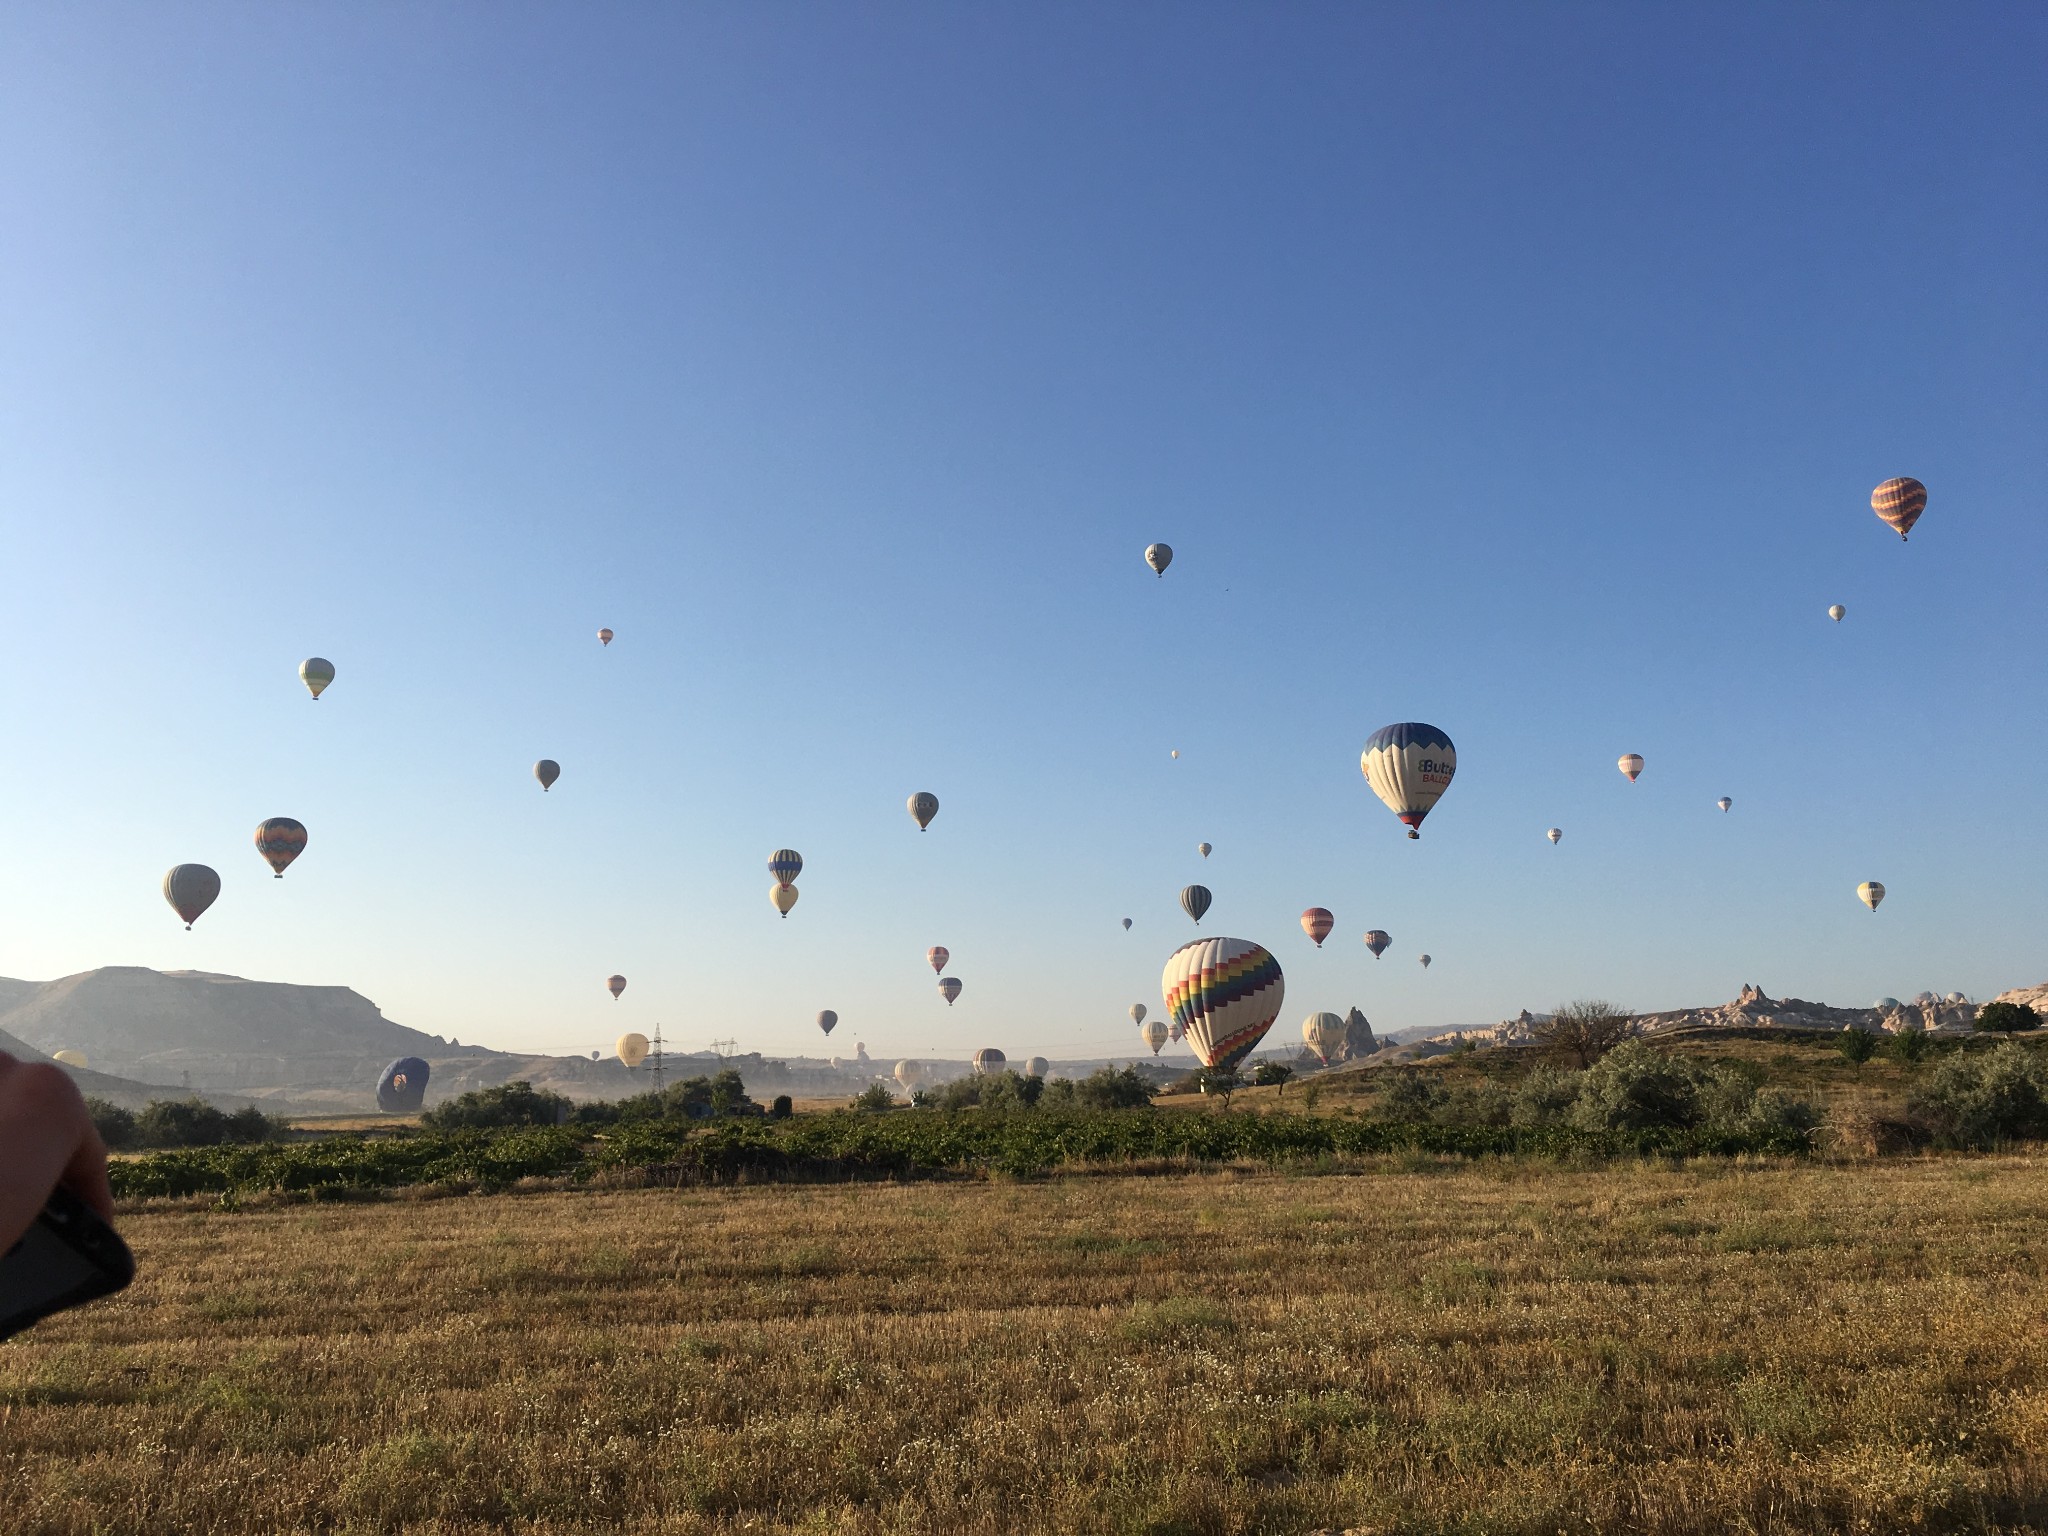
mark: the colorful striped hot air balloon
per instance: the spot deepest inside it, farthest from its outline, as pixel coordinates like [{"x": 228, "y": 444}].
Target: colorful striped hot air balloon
[
  {"x": 1225, "y": 994},
  {"x": 1900, "y": 502},
  {"x": 1409, "y": 766},
  {"x": 1317, "y": 922},
  {"x": 1323, "y": 1032},
  {"x": 615, "y": 985},
  {"x": 280, "y": 840},
  {"x": 1630, "y": 763},
  {"x": 1376, "y": 940},
  {"x": 936, "y": 957},
  {"x": 547, "y": 770},
  {"x": 1194, "y": 900},
  {"x": 949, "y": 988},
  {"x": 1870, "y": 893},
  {"x": 191, "y": 889},
  {"x": 785, "y": 864},
  {"x": 316, "y": 672},
  {"x": 1153, "y": 1034},
  {"x": 1159, "y": 557},
  {"x": 924, "y": 805}
]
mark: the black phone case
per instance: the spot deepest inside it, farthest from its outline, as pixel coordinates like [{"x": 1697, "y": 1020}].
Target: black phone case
[{"x": 67, "y": 1257}]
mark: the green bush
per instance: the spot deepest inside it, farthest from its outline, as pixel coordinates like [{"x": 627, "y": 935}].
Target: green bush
[
  {"x": 875, "y": 1099},
  {"x": 195, "y": 1123},
  {"x": 1859, "y": 1045},
  {"x": 115, "y": 1124},
  {"x": 1911, "y": 1045},
  {"x": 2007, "y": 1018},
  {"x": 1637, "y": 1088},
  {"x": 1412, "y": 1095},
  {"x": 1272, "y": 1074},
  {"x": 1545, "y": 1097},
  {"x": 1982, "y": 1101},
  {"x": 508, "y": 1104},
  {"x": 691, "y": 1098}
]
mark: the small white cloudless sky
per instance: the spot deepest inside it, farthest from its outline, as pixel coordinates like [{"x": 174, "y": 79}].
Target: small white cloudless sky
[{"x": 1521, "y": 370}]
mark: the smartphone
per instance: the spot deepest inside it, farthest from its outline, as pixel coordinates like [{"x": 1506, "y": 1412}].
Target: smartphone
[{"x": 67, "y": 1257}]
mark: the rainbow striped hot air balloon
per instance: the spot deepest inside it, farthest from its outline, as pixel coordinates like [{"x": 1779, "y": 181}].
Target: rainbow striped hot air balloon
[
  {"x": 1409, "y": 766},
  {"x": 1225, "y": 994},
  {"x": 1900, "y": 502},
  {"x": 1317, "y": 922}
]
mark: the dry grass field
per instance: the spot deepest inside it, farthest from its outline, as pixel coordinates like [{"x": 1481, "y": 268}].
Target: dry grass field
[{"x": 1428, "y": 1347}]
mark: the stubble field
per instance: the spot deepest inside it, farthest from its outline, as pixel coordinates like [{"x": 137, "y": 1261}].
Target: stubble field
[{"x": 1423, "y": 1347}]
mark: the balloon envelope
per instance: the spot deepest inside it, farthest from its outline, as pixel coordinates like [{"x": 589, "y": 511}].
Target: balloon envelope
[
  {"x": 1724, "y": 802},
  {"x": 1554, "y": 834},
  {"x": 316, "y": 672},
  {"x": 1377, "y": 941},
  {"x": 1225, "y": 994},
  {"x": 1153, "y": 1034},
  {"x": 827, "y": 1019},
  {"x": 1036, "y": 1066},
  {"x": 280, "y": 840},
  {"x": 1137, "y": 1013},
  {"x": 605, "y": 636},
  {"x": 924, "y": 805},
  {"x": 191, "y": 889},
  {"x": 1425, "y": 962},
  {"x": 909, "y": 1073},
  {"x": 1900, "y": 502},
  {"x": 1630, "y": 763},
  {"x": 936, "y": 957},
  {"x": 615, "y": 985},
  {"x": 1127, "y": 925},
  {"x": 1836, "y": 611},
  {"x": 1409, "y": 766},
  {"x": 988, "y": 1059},
  {"x": 70, "y": 1058},
  {"x": 782, "y": 897},
  {"x": 1159, "y": 557},
  {"x": 1323, "y": 1032},
  {"x": 547, "y": 770},
  {"x": 1317, "y": 922},
  {"x": 1194, "y": 900},
  {"x": 785, "y": 864},
  {"x": 402, "y": 1086},
  {"x": 1202, "y": 849},
  {"x": 949, "y": 988},
  {"x": 1870, "y": 893},
  {"x": 632, "y": 1049}
]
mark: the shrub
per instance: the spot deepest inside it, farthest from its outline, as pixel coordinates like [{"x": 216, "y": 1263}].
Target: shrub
[
  {"x": 1911, "y": 1045},
  {"x": 874, "y": 1099},
  {"x": 195, "y": 1123},
  {"x": 1636, "y": 1087},
  {"x": 515, "y": 1103},
  {"x": 1981, "y": 1101},
  {"x": 1545, "y": 1097},
  {"x": 782, "y": 1108},
  {"x": 115, "y": 1124},
  {"x": 1412, "y": 1095},
  {"x": 1859, "y": 1045},
  {"x": 1272, "y": 1074},
  {"x": 1105, "y": 1088},
  {"x": 1579, "y": 1034},
  {"x": 692, "y": 1098},
  {"x": 2007, "y": 1018}
]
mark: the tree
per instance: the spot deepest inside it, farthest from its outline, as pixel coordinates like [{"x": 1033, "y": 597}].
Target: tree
[
  {"x": 1859, "y": 1045},
  {"x": 514, "y": 1103},
  {"x": 782, "y": 1108},
  {"x": 1272, "y": 1074},
  {"x": 874, "y": 1099},
  {"x": 1911, "y": 1045},
  {"x": 2006, "y": 1018},
  {"x": 1579, "y": 1034}
]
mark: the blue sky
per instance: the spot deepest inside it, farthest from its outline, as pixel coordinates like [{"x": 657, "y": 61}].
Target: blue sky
[{"x": 1524, "y": 370}]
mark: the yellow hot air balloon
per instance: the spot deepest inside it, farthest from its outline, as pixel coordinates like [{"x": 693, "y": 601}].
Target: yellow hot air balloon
[
  {"x": 70, "y": 1058},
  {"x": 783, "y": 896},
  {"x": 1630, "y": 763},
  {"x": 1324, "y": 1032},
  {"x": 909, "y": 1073},
  {"x": 1870, "y": 893},
  {"x": 632, "y": 1049}
]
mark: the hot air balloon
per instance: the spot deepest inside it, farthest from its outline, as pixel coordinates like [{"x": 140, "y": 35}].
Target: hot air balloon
[
  {"x": 1202, "y": 849},
  {"x": 616, "y": 985},
  {"x": 1176, "y": 1032},
  {"x": 632, "y": 1049},
  {"x": 1036, "y": 1066},
  {"x": 280, "y": 840},
  {"x": 1377, "y": 941},
  {"x": 402, "y": 1086},
  {"x": 827, "y": 1019},
  {"x": 1870, "y": 892},
  {"x": 1724, "y": 802},
  {"x": 785, "y": 864},
  {"x": 936, "y": 957},
  {"x": 1324, "y": 1032},
  {"x": 782, "y": 897},
  {"x": 1317, "y": 922},
  {"x": 605, "y": 636},
  {"x": 909, "y": 1073},
  {"x": 1425, "y": 962},
  {"x": 1835, "y": 612},
  {"x": 1409, "y": 766},
  {"x": 1630, "y": 763},
  {"x": 1127, "y": 925},
  {"x": 1159, "y": 557},
  {"x": 73, "y": 1059},
  {"x": 1174, "y": 754},
  {"x": 1900, "y": 502},
  {"x": 1137, "y": 1013},
  {"x": 988, "y": 1060},
  {"x": 191, "y": 889},
  {"x": 949, "y": 988},
  {"x": 1153, "y": 1034},
  {"x": 1887, "y": 1004},
  {"x": 316, "y": 672},
  {"x": 1225, "y": 994},
  {"x": 1554, "y": 834},
  {"x": 924, "y": 805},
  {"x": 547, "y": 770},
  {"x": 1194, "y": 900}
]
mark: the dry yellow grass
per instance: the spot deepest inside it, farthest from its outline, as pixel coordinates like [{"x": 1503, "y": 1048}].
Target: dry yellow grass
[{"x": 1426, "y": 1348}]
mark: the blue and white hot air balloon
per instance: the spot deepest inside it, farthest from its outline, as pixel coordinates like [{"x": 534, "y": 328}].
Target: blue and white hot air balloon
[{"x": 1409, "y": 766}]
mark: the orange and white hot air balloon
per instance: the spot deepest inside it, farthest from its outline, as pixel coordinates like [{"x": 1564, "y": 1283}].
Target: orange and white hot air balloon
[
  {"x": 1900, "y": 502},
  {"x": 936, "y": 957},
  {"x": 1630, "y": 763},
  {"x": 1317, "y": 922}
]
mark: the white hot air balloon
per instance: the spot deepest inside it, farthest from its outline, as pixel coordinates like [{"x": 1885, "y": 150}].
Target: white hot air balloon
[
  {"x": 1225, "y": 994},
  {"x": 1870, "y": 893},
  {"x": 1409, "y": 766},
  {"x": 632, "y": 1049},
  {"x": 1554, "y": 834},
  {"x": 1159, "y": 557},
  {"x": 1724, "y": 802},
  {"x": 1036, "y": 1066},
  {"x": 1154, "y": 1034},
  {"x": 909, "y": 1073},
  {"x": 1137, "y": 1013},
  {"x": 1202, "y": 849},
  {"x": 1323, "y": 1032},
  {"x": 1836, "y": 611},
  {"x": 1630, "y": 763}
]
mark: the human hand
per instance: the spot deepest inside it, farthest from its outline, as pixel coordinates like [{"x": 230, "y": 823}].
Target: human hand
[{"x": 46, "y": 1139}]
